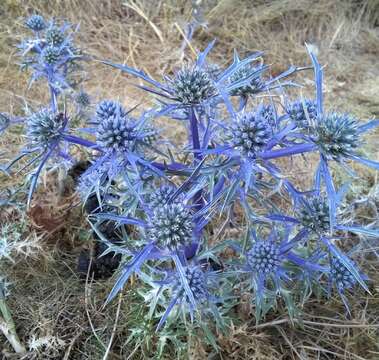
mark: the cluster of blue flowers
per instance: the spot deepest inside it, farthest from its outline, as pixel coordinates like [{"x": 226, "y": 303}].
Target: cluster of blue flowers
[{"x": 168, "y": 199}]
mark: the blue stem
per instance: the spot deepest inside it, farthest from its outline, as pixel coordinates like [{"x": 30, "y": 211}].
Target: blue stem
[
  {"x": 194, "y": 132},
  {"x": 53, "y": 99},
  {"x": 191, "y": 250}
]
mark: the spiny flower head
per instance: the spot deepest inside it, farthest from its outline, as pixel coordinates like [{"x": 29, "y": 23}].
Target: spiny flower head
[
  {"x": 44, "y": 126},
  {"x": 36, "y": 23},
  {"x": 108, "y": 108},
  {"x": 82, "y": 99},
  {"x": 314, "y": 214},
  {"x": 242, "y": 73},
  {"x": 117, "y": 132},
  {"x": 171, "y": 226},
  {"x": 337, "y": 135},
  {"x": 55, "y": 36},
  {"x": 250, "y": 133},
  {"x": 340, "y": 275},
  {"x": 161, "y": 196},
  {"x": 303, "y": 112},
  {"x": 51, "y": 55},
  {"x": 264, "y": 257},
  {"x": 197, "y": 282},
  {"x": 192, "y": 85}
]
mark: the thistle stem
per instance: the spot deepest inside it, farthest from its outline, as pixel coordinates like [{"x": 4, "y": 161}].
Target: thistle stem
[
  {"x": 197, "y": 199},
  {"x": 8, "y": 328},
  {"x": 53, "y": 99},
  {"x": 194, "y": 132}
]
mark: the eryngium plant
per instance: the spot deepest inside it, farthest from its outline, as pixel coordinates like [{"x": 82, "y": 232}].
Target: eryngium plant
[{"x": 166, "y": 196}]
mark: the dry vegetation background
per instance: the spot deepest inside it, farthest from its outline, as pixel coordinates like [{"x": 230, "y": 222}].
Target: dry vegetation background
[{"x": 57, "y": 315}]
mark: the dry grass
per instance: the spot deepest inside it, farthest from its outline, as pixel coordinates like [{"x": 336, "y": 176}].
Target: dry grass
[{"x": 51, "y": 305}]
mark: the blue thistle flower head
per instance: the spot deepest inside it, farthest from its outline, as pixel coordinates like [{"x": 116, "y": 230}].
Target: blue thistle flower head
[
  {"x": 264, "y": 257},
  {"x": 36, "y": 23},
  {"x": 255, "y": 84},
  {"x": 250, "y": 133},
  {"x": 340, "y": 275},
  {"x": 171, "y": 226},
  {"x": 117, "y": 132},
  {"x": 160, "y": 196},
  {"x": 192, "y": 85},
  {"x": 337, "y": 135},
  {"x": 303, "y": 112},
  {"x": 55, "y": 36},
  {"x": 197, "y": 283},
  {"x": 82, "y": 99},
  {"x": 108, "y": 108},
  {"x": 48, "y": 49},
  {"x": 192, "y": 287},
  {"x": 44, "y": 127},
  {"x": 314, "y": 214},
  {"x": 51, "y": 55}
]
